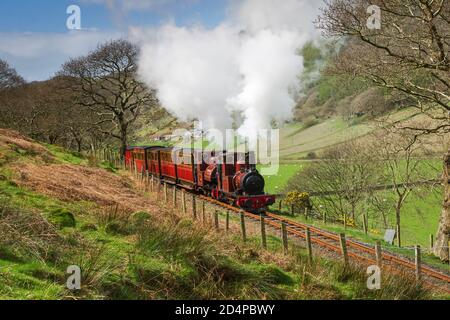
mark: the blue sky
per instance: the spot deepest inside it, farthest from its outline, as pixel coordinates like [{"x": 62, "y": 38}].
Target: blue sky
[{"x": 35, "y": 40}]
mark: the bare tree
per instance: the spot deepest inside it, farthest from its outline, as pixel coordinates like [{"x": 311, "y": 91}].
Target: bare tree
[
  {"x": 408, "y": 54},
  {"x": 8, "y": 76},
  {"x": 401, "y": 156},
  {"x": 343, "y": 180},
  {"x": 108, "y": 86},
  {"x": 46, "y": 111}
]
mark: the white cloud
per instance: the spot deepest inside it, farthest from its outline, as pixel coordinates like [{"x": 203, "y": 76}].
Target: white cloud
[{"x": 37, "y": 56}]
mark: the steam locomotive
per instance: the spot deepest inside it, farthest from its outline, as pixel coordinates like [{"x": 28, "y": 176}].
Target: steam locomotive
[{"x": 225, "y": 176}]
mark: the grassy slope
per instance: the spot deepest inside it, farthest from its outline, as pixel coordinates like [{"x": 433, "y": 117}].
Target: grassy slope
[
  {"x": 134, "y": 256},
  {"x": 297, "y": 142},
  {"x": 420, "y": 215}
]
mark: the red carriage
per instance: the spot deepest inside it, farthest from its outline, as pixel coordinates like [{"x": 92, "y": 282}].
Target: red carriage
[{"x": 225, "y": 176}]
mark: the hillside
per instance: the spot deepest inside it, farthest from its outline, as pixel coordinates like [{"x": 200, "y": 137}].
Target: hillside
[
  {"x": 60, "y": 209},
  {"x": 300, "y": 146}
]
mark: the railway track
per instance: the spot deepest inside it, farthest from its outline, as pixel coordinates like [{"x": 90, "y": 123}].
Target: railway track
[{"x": 359, "y": 252}]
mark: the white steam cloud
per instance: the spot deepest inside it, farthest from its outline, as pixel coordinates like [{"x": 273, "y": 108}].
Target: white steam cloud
[{"x": 248, "y": 64}]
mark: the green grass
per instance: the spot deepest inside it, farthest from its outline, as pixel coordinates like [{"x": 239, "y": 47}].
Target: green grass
[
  {"x": 296, "y": 141},
  {"x": 420, "y": 214},
  {"x": 420, "y": 218},
  {"x": 65, "y": 156},
  {"x": 275, "y": 184},
  {"x": 156, "y": 257}
]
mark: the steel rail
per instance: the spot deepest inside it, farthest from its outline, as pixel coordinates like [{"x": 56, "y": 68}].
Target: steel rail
[
  {"x": 291, "y": 226},
  {"x": 367, "y": 249}
]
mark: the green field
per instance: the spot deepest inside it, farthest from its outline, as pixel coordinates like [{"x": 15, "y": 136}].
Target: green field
[
  {"x": 296, "y": 141},
  {"x": 420, "y": 215},
  {"x": 275, "y": 184}
]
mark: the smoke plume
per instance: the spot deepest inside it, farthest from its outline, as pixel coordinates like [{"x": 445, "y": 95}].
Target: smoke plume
[{"x": 249, "y": 64}]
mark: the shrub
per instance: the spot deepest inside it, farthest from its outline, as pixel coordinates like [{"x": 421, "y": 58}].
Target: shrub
[
  {"x": 89, "y": 227},
  {"x": 62, "y": 218},
  {"x": 140, "y": 217},
  {"x": 311, "y": 155},
  {"x": 116, "y": 220},
  {"x": 298, "y": 199},
  {"x": 25, "y": 235}
]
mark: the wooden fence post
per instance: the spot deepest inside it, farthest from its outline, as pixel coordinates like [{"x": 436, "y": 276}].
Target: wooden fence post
[
  {"x": 279, "y": 205},
  {"x": 292, "y": 210},
  {"x": 216, "y": 220},
  {"x": 309, "y": 245},
  {"x": 284, "y": 237},
  {"x": 166, "y": 197},
  {"x": 174, "y": 196},
  {"x": 227, "y": 222},
  {"x": 244, "y": 233},
  {"x": 431, "y": 242},
  {"x": 344, "y": 248},
  {"x": 263, "y": 233},
  {"x": 324, "y": 215},
  {"x": 379, "y": 254},
  {"x": 183, "y": 201},
  {"x": 194, "y": 207},
  {"x": 418, "y": 261},
  {"x": 203, "y": 212}
]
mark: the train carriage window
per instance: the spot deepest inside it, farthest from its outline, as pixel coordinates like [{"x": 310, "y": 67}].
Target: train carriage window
[
  {"x": 166, "y": 157},
  {"x": 139, "y": 156}
]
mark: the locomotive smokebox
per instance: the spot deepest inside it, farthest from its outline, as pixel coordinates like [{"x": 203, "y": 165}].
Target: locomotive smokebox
[{"x": 249, "y": 182}]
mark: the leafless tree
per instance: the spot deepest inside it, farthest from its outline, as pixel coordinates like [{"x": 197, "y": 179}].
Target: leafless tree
[
  {"x": 409, "y": 54},
  {"x": 8, "y": 76},
  {"x": 107, "y": 83},
  {"x": 343, "y": 179},
  {"x": 46, "y": 111},
  {"x": 400, "y": 154}
]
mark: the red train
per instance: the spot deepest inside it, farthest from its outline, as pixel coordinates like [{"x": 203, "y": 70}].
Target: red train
[{"x": 228, "y": 177}]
